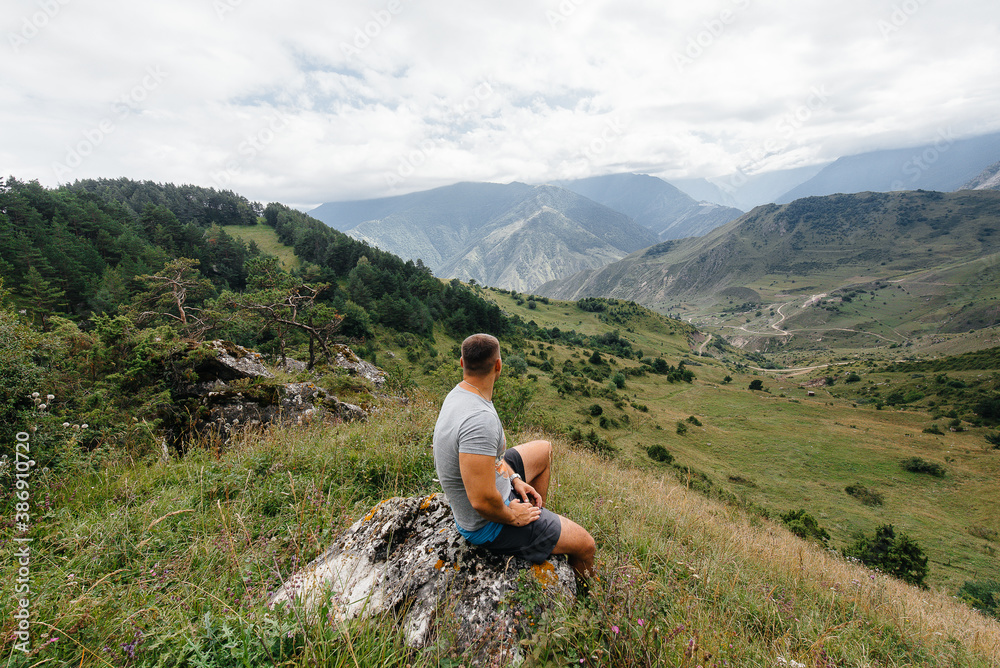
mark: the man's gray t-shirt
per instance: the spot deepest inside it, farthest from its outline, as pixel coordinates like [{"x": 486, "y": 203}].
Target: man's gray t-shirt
[{"x": 470, "y": 424}]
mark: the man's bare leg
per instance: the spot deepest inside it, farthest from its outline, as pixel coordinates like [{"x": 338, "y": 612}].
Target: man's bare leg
[
  {"x": 578, "y": 544},
  {"x": 536, "y": 456}
]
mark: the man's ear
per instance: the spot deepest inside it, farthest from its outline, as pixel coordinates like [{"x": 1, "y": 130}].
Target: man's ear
[
  {"x": 461, "y": 362},
  {"x": 498, "y": 365}
]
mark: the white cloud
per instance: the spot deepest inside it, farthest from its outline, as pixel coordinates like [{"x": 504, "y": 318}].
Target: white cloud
[{"x": 309, "y": 101}]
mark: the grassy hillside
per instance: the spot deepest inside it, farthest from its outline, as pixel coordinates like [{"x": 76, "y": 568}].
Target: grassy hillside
[
  {"x": 267, "y": 240},
  {"x": 169, "y": 563},
  {"x": 773, "y": 451}
]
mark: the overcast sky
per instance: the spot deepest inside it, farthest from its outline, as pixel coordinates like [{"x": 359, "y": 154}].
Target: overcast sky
[{"x": 304, "y": 101}]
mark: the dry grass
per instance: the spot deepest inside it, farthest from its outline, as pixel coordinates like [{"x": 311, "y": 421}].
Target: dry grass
[{"x": 729, "y": 550}]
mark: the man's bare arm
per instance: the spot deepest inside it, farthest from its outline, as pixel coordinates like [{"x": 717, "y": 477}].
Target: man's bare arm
[{"x": 479, "y": 478}]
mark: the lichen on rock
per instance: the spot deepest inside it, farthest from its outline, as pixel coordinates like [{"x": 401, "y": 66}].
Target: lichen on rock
[{"x": 406, "y": 555}]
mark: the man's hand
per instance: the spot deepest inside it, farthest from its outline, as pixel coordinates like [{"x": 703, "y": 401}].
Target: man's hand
[
  {"x": 524, "y": 513},
  {"x": 527, "y": 493}
]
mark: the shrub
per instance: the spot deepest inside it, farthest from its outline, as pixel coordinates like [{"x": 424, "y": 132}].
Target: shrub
[
  {"x": 984, "y": 596},
  {"x": 681, "y": 428},
  {"x": 933, "y": 429},
  {"x": 756, "y": 384},
  {"x": 852, "y": 378},
  {"x": 619, "y": 380},
  {"x": 596, "y": 358},
  {"x": 517, "y": 365},
  {"x": 693, "y": 420},
  {"x": 899, "y": 556},
  {"x": 727, "y": 380},
  {"x": 918, "y": 465},
  {"x": 659, "y": 453},
  {"x": 595, "y": 409},
  {"x": 869, "y": 497},
  {"x": 804, "y": 525},
  {"x": 994, "y": 440}
]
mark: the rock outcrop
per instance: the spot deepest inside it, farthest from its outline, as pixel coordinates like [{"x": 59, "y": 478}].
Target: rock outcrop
[
  {"x": 235, "y": 389},
  {"x": 406, "y": 555},
  {"x": 345, "y": 358}
]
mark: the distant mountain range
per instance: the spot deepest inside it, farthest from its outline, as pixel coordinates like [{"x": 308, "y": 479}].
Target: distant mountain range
[
  {"x": 945, "y": 165},
  {"x": 745, "y": 191},
  {"x": 654, "y": 203},
  {"x": 514, "y": 236},
  {"x": 518, "y": 236},
  {"x": 826, "y": 239}
]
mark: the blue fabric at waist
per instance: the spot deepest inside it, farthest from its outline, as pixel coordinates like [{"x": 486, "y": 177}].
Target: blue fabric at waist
[{"x": 486, "y": 533}]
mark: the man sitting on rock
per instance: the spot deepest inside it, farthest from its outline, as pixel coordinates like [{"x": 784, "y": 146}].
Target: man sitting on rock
[{"x": 497, "y": 495}]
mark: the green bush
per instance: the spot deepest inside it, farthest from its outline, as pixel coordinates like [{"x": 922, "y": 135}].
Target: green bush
[
  {"x": 659, "y": 453},
  {"x": 994, "y": 440},
  {"x": 804, "y": 525},
  {"x": 899, "y": 556},
  {"x": 756, "y": 384},
  {"x": 869, "y": 497},
  {"x": 918, "y": 465},
  {"x": 681, "y": 428},
  {"x": 693, "y": 420},
  {"x": 983, "y": 595},
  {"x": 595, "y": 409},
  {"x": 933, "y": 429}
]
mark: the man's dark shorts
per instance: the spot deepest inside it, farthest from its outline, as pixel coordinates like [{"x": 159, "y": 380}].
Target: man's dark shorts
[{"x": 533, "y": 542}]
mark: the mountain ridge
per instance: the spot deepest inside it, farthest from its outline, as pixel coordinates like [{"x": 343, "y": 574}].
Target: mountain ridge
[{"x": 494, "y": 234}]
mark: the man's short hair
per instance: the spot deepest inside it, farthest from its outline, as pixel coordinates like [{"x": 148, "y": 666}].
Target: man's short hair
[{"x": 479, "y": 354}]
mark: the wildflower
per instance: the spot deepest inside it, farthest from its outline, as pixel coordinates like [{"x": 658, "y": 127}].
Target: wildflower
[
  {"x": 65, "y": 424},
  {"x": 42, "y": 407},
  {"x": 641, "y": 622},
  {"x": 614, "y": 628},
  {"x": 83, "y": 426},
  {"x": 35, "y": 395},
  {"x": 50, "y": 397}
]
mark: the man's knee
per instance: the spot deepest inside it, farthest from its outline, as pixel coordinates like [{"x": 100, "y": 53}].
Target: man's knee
[
  {"x": 536, "y": 456},
  {"x": 575, "y": 540}
]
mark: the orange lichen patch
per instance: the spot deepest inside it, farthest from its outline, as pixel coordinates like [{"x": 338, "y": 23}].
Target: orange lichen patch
[
  {"x": 374, "y": 510},
  {"x": 426, "y": 503},
  {"x": 440, "y": 564},
  {"x": 545, "y": 573}
]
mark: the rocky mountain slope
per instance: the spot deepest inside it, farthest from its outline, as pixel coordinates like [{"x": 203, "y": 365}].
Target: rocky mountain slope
[
  {"x": 654, "y": 203},
  {"x": 513, "y": 236},
  {"x": 988, "y": 179}
]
